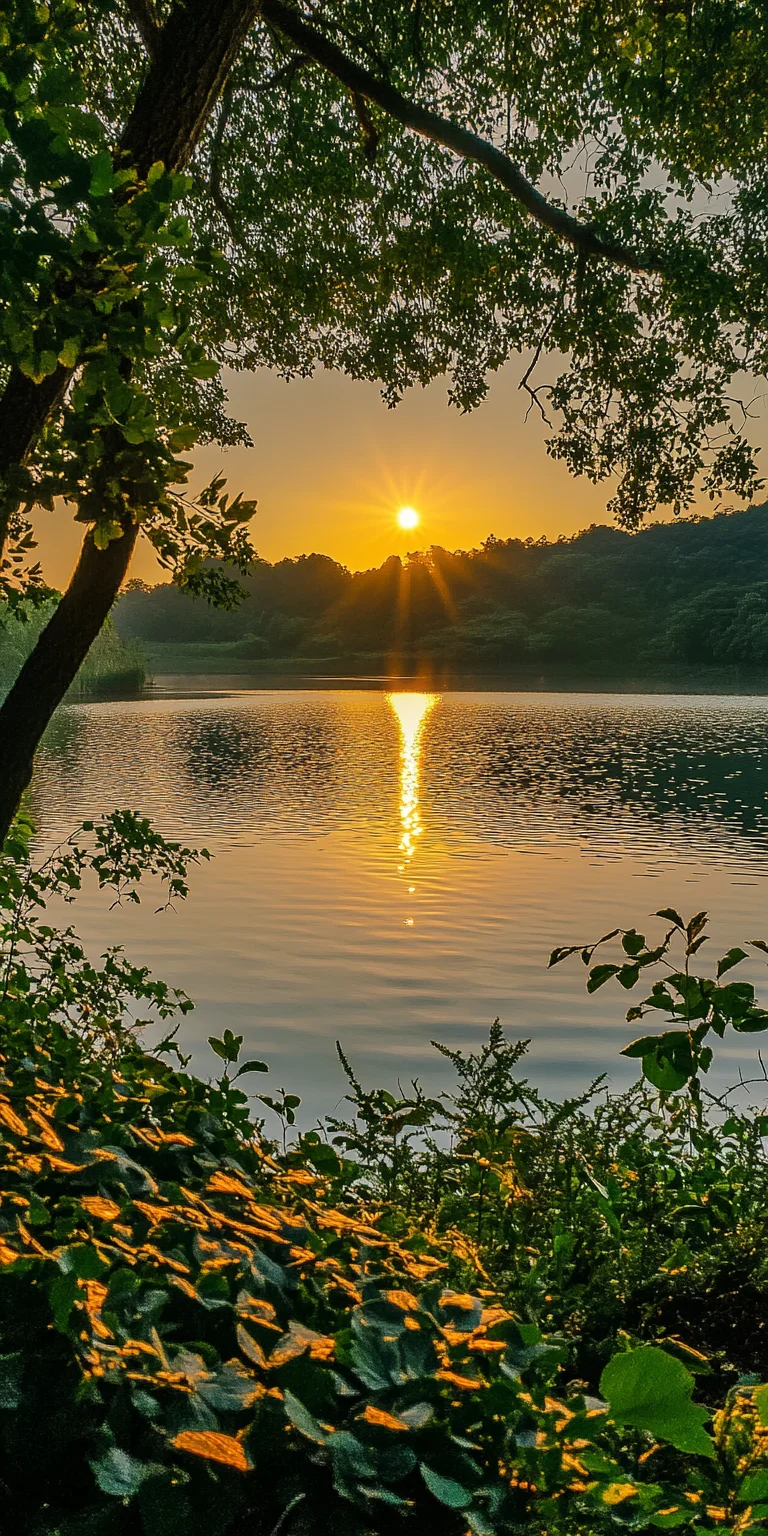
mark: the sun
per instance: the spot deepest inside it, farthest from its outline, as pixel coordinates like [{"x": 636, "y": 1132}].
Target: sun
[{"x": 408, "y": 517}]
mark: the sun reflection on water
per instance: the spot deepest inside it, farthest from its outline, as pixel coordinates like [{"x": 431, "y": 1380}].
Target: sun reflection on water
[{"x": 411, "y": 710}]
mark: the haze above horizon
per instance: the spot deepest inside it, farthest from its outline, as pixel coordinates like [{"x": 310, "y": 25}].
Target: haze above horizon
[{"x": 331, "y": 467}]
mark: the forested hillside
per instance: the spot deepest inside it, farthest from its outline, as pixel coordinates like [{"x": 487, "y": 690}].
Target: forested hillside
[{"x": 693, "y": 591}]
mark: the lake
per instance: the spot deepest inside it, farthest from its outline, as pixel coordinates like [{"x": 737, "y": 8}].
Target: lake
[{"x": 392, "y": 868}]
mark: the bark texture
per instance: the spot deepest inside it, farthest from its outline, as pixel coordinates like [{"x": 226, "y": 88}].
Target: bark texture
[{"x": 192, "y": 57}]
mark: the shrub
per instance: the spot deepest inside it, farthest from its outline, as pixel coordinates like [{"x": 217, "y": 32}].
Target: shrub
[{"x": 253, "y": 647}]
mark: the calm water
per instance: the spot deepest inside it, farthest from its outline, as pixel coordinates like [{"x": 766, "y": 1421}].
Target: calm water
[{"x": 393, "y": 868}]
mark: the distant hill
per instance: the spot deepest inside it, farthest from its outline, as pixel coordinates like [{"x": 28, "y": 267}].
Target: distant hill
[{"x": 694, "y": 591}]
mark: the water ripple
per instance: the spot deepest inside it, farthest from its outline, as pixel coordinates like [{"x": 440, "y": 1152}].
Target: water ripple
[{"x": 390, "y": 872}]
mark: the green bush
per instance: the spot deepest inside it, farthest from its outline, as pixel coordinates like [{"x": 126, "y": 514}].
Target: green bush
[
  {"x": 201, "y": 1330},
  {"x": 252, "y": 647}
]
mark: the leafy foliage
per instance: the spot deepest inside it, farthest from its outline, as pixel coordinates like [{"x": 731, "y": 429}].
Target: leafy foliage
[
  {"x": 98, "y": 272},
  {"x": 698, "y": 1005},
  {"x": 221, "y": 1335},
  {"x": 361, "y": 241},
  {"x": 675, "y": 594}
]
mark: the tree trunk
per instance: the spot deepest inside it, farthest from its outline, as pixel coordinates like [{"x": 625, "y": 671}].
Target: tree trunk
[
  {"x": 194, "y": 53},
  {"x": 52, "y": 666}
]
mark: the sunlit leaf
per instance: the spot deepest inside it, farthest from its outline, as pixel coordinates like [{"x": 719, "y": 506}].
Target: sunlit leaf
[
  {"x": 649, "y": 1389},
  {"x": 383, "y": 1420},
  {"x": 213, "y": 1447}
]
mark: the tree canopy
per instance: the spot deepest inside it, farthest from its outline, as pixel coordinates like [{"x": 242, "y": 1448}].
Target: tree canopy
[
  {"x": 402, "y": 191},
  {"x": 685, "y": 592}
]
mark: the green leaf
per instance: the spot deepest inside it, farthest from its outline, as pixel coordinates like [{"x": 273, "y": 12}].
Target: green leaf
[
  {"x": 119, "y": 1474},
  {"x": 60, "y": 86},
  {"x": 754, "y": 1487},
  {"x": 679, "y": 1515},
  {"x": 134, "y": 432},
  {"x": 182, "y": 437},
  {"x": 231, "y": 1390},
  {"x": 323, "y": 1157},
  {"x": 38, "y": 366},
  {"x": 251, "y": 1066},
  {"x": 351, "y": 1458},
  {"x": 663, "y": 1074},
  {"x": 62, "y": 1295},
  {"x": 454, "y": 1495},
  {"x": 204, "y": 370},
  {"x": 105, "y": 533},
  {"x": 83, "y": 1261},
  {"x": 692, "y": 1359},
  {"x": 755, "y": 1022},
  {"x": 102, "y": 179},
  {"x": 671, "y": 916},
  {"x": 643, "y": 1046},
  {"x": 479, "y": 1524},
  {"x": 599, "y": 975},
  {"x": 648, "y": 1389},
  {"x": 562, "y": 953},
  {"x": 11, "y": 1368},
  {"x": 670, "y": 1064},
  {"x": 628, "y": 975},
  {"x": 303, "y": 1420},
  {"x": 69, "y": 351},
  {"x": 368, "y": 1359},
  {"x": 633, "y": 942},
  {"x": 761, "y": 1404},
  {"x": 733, "y": 957},
  {"x": 228, "y": 1048}
]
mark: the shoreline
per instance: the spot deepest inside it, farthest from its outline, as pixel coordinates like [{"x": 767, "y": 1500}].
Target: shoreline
[{"x": 182, "y": 683}]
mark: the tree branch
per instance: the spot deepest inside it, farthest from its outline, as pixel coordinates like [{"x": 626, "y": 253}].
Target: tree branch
[
  {"x": 368, "y": 132},
  {"x": 145, "y": 19},
  {"x": 461, "y": 141}
]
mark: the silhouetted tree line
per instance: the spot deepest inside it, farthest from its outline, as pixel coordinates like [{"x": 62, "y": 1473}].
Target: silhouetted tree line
[{"x": 691, "y": 591}]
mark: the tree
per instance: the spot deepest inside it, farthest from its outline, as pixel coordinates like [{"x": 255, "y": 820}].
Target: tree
[{"x": 400, "y": 190}]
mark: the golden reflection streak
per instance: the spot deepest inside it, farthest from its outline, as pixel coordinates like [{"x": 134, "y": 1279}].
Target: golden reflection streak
[{"x": 411, "y": 710}]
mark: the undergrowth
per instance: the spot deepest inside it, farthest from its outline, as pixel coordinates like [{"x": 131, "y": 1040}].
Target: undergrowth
[{"x": 482, "y": 1313}]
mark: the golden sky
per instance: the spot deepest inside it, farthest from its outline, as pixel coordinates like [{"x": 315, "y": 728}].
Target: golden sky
[{"x": 331, "y": 465}]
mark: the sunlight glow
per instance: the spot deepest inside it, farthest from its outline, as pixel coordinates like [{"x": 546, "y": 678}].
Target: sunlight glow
[
  {"x": 411, "y": 710},
  {"x": 408, "y": 518}
]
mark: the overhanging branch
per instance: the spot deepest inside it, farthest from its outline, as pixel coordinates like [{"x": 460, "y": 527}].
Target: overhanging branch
[{"x": 461, "y": 141}]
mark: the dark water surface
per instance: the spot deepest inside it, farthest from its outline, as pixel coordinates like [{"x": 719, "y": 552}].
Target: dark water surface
[{"x": 392, "y": 868}]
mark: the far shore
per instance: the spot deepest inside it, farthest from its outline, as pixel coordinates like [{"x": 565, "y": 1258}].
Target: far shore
[{"x": 195, "y": 668}]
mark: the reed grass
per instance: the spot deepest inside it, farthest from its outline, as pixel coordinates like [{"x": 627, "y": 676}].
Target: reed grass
[{"x": 112, "y": 666}]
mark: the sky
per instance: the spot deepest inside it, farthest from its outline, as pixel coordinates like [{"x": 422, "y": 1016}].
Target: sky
[{"x": 331, "y": 465}]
